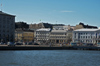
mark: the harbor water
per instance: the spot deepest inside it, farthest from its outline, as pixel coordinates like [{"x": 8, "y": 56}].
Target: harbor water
[{"x": 50, "y": 58}]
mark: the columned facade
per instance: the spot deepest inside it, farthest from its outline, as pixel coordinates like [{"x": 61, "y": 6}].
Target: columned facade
[
  {"x": 42, "y": 35},
  {"x": 58, "y": 36},
  {"x": 86, "y": 36}
]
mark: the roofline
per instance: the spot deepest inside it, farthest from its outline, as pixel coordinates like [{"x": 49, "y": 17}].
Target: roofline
[
  {"x": 8, "y": 15},
  {"x": 85, "y": 30},
  {"x": 3, "y": 13}
]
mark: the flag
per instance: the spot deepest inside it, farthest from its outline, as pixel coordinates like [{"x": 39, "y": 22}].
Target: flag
[{"x": 1, "y": 4}]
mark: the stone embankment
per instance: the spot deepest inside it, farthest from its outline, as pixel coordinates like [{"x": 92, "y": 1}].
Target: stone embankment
[{"x": 44, "y": 47}]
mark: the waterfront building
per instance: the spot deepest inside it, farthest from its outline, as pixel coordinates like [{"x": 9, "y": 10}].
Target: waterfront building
[
  {"x": 61, "y": 34},
  {"x": 7, "y": 27},
  {"x": 58, "y": 27},
  {"x": 58, "y": 36},
  {"x": 18, "y": 34},
  {"x": 86, "y": 36},
  {"x": 71, "y": 27},
  {"x": 42, "y": 35},
  {"x": 81, "y": 25},
  {"x": 69, "y": 35},
  {"x": 28, "y": 36},
  {"x": 63, "y": 27},
  {"x": 24, "y": 35}
]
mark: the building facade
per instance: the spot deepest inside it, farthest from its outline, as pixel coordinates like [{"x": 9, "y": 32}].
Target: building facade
[
  {"x": 24, "y": 35},
  {"x": 69, "y": 36},
  {"x": 86, "y": 36},
  {"x": 7, "y": 27},
  {"x": 58, "y": 36},
  {"x": 28, "y": 36},
  {"x": 61, "y": 34},
  {"x": 42, "y": 35},
  {"x": 58, "y": 28},
  {"x": 18, "y": 35}
]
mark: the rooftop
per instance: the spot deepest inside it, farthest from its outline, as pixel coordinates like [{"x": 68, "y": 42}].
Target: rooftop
[
  {"x": 87, "y": 30},
  {"x": 58, "y": 31},
  {"x": 2, "y": 13},
  {"x": 43, "y": 29}
]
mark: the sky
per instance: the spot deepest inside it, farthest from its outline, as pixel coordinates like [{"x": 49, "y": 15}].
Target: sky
[{"x": 68, "y": 12}]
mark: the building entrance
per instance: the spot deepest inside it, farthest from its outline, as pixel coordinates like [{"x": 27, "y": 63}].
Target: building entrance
[{"x": 57, "y": 41}]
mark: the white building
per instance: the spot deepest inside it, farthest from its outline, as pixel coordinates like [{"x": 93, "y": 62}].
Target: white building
[
  {"x": 7, "y": 27},
  {"x": 61, "y": 27},
  {"x": 58, "y": 27},
  {"x": 42, "y": 35},
  {"x": 61, "y": 34},
  {"x": 86, "y": 35},
  {"x": 58, "y": 36},
  {"x": 65, "y": 27}
]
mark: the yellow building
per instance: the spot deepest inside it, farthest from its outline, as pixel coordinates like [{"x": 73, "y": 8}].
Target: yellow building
[
  {"x": 28, "y": 36},
  {"x": 24, "y": 35},
  {"x": 18, "y": 35}
]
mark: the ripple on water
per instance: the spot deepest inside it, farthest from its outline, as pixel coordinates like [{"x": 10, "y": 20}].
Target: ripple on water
[{"x": 50, "y": 58}]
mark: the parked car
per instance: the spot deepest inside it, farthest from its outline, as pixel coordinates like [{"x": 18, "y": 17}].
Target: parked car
[
  {"x": 90, "y": 44},
  {"x": 84, "y": 44},
  {"x": 30, "y": 43},
  {"x": 18, "y": 43},
  {"x": 36, "y": 44},
  {"x": 98, "y": 44},
  {"x": 1, "y": 43},
  {"x": 73, "y": 44},
  {"x": 10, "y": 44}
]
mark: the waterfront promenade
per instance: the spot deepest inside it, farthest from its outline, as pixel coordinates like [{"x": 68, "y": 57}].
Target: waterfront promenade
[{"x": 47, "y": 47}]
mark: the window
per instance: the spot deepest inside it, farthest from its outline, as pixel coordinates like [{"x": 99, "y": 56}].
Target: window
[
  {"x": 75, "y": 33},
  {"x": 81, "y": 36},
  {"x": 91, "y": 36},
  {"x": 86, "y": 36},
  {"x": 96, "y": 35},
  {"x": 74, "y": 36}
]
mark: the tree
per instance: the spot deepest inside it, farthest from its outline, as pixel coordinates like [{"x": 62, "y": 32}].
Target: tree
[{"x": 21, "y": 25}]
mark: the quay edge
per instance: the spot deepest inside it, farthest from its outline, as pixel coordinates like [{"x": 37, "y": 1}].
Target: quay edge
[{"x": 48, "y": 48}]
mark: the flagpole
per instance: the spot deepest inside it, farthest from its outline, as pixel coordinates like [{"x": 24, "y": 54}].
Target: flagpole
[{"x": 1, "y": 5}]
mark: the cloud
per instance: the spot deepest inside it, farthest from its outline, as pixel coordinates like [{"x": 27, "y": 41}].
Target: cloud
[{"x": 67, "y": 11}]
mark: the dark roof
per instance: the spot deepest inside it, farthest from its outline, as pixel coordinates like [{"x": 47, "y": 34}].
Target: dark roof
[
  {"x": 2, "y": 13},
  {"x": 28, "y": 30}
]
